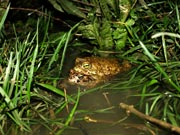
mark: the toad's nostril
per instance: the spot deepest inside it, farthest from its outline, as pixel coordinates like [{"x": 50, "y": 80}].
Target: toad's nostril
[
  {"x": 80, "y": 76},
  {"x": 78, "y": 81}
]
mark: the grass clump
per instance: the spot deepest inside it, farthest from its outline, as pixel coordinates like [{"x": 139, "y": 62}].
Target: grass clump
[
  {"x": 28, "y": 90},
  {"x": 156, "y": 37},
  {"x": 24, "y": 95}
]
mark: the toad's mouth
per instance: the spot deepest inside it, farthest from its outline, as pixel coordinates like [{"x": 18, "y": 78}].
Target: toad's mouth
[{"x": 81, "y": 79}]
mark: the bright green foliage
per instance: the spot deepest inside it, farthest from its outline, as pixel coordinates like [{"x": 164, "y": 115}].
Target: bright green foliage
[
  {"x": 27, "y": 88},
  {"x": 3, "y": 15},
  {"x": 107, "y": 30},
  {"x": 120, "y": 36},
  {"x": 105, "y": 23},
  {"x": 19, "y": 65}
]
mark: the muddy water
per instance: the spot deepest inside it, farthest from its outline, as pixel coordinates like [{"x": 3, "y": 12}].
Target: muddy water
[
  {"x": 105, "y": 116},
  {"x": 99, "y": 113}
]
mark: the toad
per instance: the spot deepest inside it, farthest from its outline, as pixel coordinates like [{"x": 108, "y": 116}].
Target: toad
[{"x": 90, "y": 71}]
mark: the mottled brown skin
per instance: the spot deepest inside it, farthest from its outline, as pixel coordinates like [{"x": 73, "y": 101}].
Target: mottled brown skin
[{"x": 90, "y": 71}]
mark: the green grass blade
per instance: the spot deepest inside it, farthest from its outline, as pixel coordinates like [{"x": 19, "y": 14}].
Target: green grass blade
[
  {"x": 31, "y": 72},
  {"x": 178, "y": 16},
  {"x": 158, "y": 67},
  {"x": 159, "y": 34},
  {"x": 14, "y": 115},
  {"x": 164, "y": 48},
  {"x": 172, "y": 119},
  {"x": 71, "y": 115},
  {"x": 16, "y": 74},
  {"x": 56, "y": 53},
  {"x": 66, "y": 44},
  {"x": 56, "y": 90},
  {"x": 8, "y": 69},
  {"x": 4, "y": 17}
]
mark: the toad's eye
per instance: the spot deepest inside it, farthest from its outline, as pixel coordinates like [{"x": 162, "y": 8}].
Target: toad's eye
[{"x": 86, "y": 65}]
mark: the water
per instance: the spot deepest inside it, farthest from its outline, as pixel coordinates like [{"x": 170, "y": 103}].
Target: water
[
  {"x": 105, "y": 117},
  {"x": 98, "y": 113}
]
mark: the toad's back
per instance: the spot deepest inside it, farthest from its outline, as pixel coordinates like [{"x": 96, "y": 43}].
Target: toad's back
[
  {"x": 97, "y": 66},
  {"x": 90, "y": 71}
]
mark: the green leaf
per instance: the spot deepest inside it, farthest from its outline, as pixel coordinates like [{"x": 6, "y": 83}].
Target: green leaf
[
  {"x": 120, "y": 44},
  {"x": 106, "y": 35},
  {"x": 3, "y": 17},
  {"x": 56, "y": 5},
  {"x": 87, "y": 31},
  {"x": 152, "y": 82},
  {"x": 130, "y": 22},
  {"x": 105, "y": 9},
  {"x": 120, "y": 37},
  {"x": 119, "y": 33},
  {"x": 70, "y": 8}
]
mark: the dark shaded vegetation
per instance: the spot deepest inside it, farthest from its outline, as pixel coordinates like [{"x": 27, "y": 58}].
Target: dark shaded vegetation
[{"x": 37, "y": 43}]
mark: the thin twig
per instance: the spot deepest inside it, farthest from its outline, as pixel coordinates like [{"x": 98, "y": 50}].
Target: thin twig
[
  {"x": 131, "y": 109},
  {"x": 40, "y": 13}
]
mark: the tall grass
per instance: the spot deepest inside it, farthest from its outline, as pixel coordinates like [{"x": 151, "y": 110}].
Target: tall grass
[
  {"x": 157, "y": 41},
  {"x": 21, "y": 98},
  {"x": 153, "y": 49}
]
